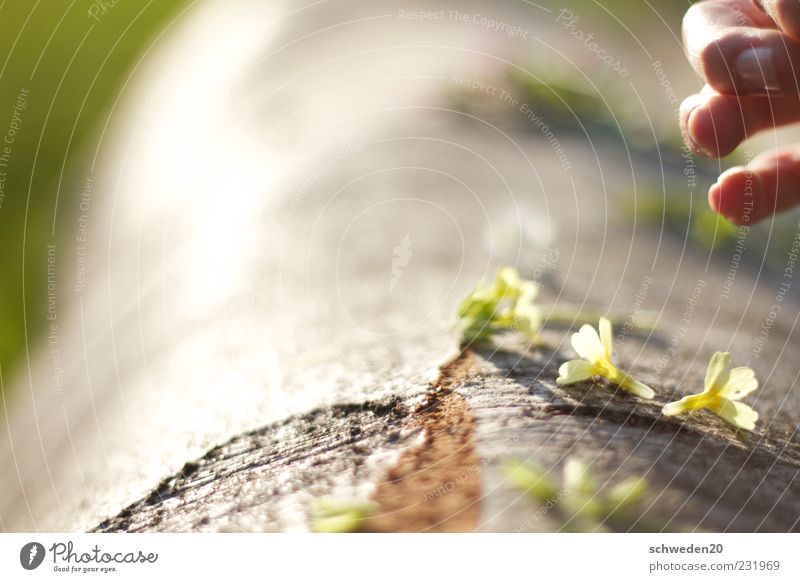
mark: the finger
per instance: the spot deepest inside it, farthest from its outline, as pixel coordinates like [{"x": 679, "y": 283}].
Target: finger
[
  {"x": 785, "y": 14},
  {"x": 714, "y": 125},
  {"x": 768, "y": 184},
  {"x": 738, "y": 49}
]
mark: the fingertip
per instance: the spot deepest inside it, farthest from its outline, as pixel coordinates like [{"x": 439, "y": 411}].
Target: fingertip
[
  {"x": 736, "y": 196},
  {"x": 716, "y": 126},
  {"x": 715, "y": 198},
  {"x": 688, "y": 124}
]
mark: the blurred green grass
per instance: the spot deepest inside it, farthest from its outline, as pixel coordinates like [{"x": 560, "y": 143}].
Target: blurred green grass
[
  {"x": 73, "y": 66},
  {"x": 629, "y": 11}
]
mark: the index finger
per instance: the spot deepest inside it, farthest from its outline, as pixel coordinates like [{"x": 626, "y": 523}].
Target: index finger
[{"x": 739, "y": 50}]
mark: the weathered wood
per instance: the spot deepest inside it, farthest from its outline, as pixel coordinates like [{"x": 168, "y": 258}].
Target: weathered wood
[
  {"x": 242, "y": 289},
  {"x": 267, "y": 479}
]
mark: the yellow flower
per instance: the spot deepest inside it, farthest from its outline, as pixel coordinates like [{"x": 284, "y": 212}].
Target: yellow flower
[
  {"x": 505, "y": 305},
  {"x": 722, "y": 388},
  {"x": 596, "y": 353},
  {"x": 508, "y": 304}
]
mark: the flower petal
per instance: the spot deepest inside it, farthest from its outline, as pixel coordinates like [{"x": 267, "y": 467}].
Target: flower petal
[
  {"x": 742, "y": 381},
  {"x": 528, "y": 319},
  {"x": 528, "y": 291},
  {"x": 507, "y": 282},
  {"x": 577, "y": 478},
  {"x": 685, "y": 404},
  {"x": 575, "y": 371},
  {"x": 627, "y": 493},
  {"x": 533, "y": 481},
  {"x": 606, "y": 336},
  {"x": 717, "y": 372},
  {"x": 738, "y": 414},
  {"x": 587, "y": 345}
]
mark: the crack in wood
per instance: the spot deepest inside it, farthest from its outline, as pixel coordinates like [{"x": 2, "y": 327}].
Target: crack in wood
[{"x": 435, "y": 487}]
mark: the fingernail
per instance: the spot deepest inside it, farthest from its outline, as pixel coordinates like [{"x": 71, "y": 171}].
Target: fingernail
[
  {"x": 689, "y": 109},
  {"x": 691, "y": 139},
  {"x": 755, "y": 69}
]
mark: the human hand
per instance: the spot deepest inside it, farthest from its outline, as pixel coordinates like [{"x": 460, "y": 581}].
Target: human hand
[{"x": 748, "y": 52}]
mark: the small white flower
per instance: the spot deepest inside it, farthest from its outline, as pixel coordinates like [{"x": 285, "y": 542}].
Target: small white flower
[
  {"x": 595, "y": 349},
  {"x": 722, "y": 388}
]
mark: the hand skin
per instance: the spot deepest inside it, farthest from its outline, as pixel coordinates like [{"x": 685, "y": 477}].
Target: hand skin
[{"x": 748, "y": 52}]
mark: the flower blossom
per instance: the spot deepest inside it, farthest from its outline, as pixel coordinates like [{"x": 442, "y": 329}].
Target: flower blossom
[
  {"x": 723, "y": 388},
  {"x": 595, "y": 351}
]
